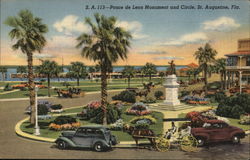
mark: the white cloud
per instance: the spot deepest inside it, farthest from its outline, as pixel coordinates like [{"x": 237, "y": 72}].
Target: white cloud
[
  {"x": 169, "y": 58},
  {"x": 70, "y": 24},
  {"x": 192, "y": 38},
  {"x": 134, "y": 27},
  {"x": 153, "y": 52},
  {"x": 62, "y": 42},
  {"x": 43, "y": 55},
  {"x": 220, "y": 24}
]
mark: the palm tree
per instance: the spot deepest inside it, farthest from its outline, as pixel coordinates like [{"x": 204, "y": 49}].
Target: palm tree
[
  {"x": 129, "y": 72},
  {"x": 105, "y": 45},
  {"x": 205, "y": 56},
  {"x": 77, "y": 70},
  {"x": 48, "y": 68},
  {"x": 28, "y": 33},
  {"x": 196, "y": 72},
  {"x": 58, "y": 70},
  {"x": 149, "y": 69},
  {"x": 3, "y": 70},
  {"x": 221, "y": 66},
  {"x": 21, "y": 69}
]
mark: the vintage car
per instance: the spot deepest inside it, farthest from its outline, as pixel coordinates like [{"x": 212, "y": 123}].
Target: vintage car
[
  {"x": 39, "y": 102},
  {"x": 217, "y": 131},
  {"x": 98, "y": 138}
]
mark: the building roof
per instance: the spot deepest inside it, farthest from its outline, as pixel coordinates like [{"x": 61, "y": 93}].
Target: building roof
[
  {"x": 193, "y": 65},
  {"x": 241, "y": 53}
]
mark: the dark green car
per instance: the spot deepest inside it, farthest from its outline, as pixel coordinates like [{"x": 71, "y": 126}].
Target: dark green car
[{"x": 98, "y": 138}]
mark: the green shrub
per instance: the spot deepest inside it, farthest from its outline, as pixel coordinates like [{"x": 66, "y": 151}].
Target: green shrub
[
  {"x": 64, "y": 120},
  {"x": 23, "y": 88},
  {"x": 184, "y": 93},
  {"x": 234, "y": 106},
  {"x": 96, "y": 115},
  {"x": 125, "y": 96},
  {"x": 42, "y": 109},
  {"x": 142, "y": 126},
  {"x": 158, "y": 94},
  {"x": 245, "y": 119},
  {"x": 7, "y": 87},
  {"x": 56, "y": 106},
  {"x": 149, "y": 100}
]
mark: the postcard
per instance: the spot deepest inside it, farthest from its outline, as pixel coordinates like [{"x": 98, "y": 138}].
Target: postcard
[{"x": 125, "y": 79}]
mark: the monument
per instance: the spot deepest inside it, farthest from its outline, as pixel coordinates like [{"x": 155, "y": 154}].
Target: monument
[{"x": 171, "y": 91}]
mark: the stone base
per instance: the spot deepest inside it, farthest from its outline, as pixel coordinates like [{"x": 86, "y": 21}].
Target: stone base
[
  {"x": 172, "y": 103},
  {"x": 166, "y": 107}
]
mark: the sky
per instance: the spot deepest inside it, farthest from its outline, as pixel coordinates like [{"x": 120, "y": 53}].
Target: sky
[{"x": 159, "y": 35}]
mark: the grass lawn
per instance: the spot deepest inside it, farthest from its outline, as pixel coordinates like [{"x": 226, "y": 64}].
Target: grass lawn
[{"x": 122, "y": 136}]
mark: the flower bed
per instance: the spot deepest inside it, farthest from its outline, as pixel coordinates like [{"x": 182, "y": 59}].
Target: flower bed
[
  {"x": 64, "y": 123},
  {"x": 143, "y": 119},
  {"x": 139, "y": 109}
]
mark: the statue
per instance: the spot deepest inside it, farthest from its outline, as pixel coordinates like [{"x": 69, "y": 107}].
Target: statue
[{"x": 171, "y": 69}]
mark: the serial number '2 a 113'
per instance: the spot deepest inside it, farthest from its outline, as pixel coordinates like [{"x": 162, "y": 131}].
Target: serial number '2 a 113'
[{"x": 95, "y": 7}]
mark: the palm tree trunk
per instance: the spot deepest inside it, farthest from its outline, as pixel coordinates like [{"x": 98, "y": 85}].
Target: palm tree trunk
[
  {"x": 49, "y": 85},
  {"x": 78, "y": 81},
  {"x": 31, "y": 88},
  {"x": 128, "y": 82},
  {"x": 150, "y": 77},
  {"x": 205, "y": 77},
  {"x": 104, "y": 94}
]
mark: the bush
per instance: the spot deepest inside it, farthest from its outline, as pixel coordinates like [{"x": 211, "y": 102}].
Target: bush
[
  {"x": 149, "y": 119},
  {"x": 113, "y": 114},
  {"x": 118, "y": 125},
  {"x": 56, "y": 106},
  {"x": 234, "y": 106},
  {"x": 60, "y": 120},
  {"x": 197, "y": 120},
  {"x": 149, "y": 100},
  {"x": 23, "y": 88},
  {"x": 42, "y": 109},
  {"x": 67, "y": 84},
  {"x": 142, "y": 126},
  {"x": 7, "y": 87},
  {"x": 138, "y": 108},
  {"x": 158, "y": 94},
  {"x": 125, "y": 96},
  {"x": 184, "y": 93}
]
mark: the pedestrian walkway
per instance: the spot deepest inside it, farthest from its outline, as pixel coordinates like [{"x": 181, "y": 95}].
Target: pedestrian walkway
[{"x": 6, "y": 92}]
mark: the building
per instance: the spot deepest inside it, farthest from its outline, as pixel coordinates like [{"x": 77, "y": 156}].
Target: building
[{"x": 238, "y": 65}]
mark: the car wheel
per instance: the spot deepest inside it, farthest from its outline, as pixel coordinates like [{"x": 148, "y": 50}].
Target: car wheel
[
  {"x": 98, "y": 147},
  {"x": 200, "y": 141},
  {"x": 61, "y": 145},
  {"x": 236, "y": 139}
]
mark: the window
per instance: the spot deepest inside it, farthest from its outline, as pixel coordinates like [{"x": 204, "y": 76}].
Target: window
[{"x": 247, "y": 61}]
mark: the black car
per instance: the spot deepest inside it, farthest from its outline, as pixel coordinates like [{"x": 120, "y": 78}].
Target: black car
[
  {"x": 98, "y": 138},
  {"x": 39, "y": 102}
]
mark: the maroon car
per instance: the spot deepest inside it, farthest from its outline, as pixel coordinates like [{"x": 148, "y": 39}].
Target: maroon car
[{"x": 217, "y": 131}]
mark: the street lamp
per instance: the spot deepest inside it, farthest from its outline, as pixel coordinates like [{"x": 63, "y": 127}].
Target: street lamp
[{"x": 37, "y": 129}]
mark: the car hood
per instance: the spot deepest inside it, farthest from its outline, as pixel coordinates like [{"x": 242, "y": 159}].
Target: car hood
[{"x": 68, "y": 133}]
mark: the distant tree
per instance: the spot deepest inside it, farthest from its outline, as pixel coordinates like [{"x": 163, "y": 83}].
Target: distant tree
[
  {"x": 28, "y": 33},
  {"x": 91, "y": 70},
  {"x": 77, "y": 70},
  {"x": 205, "y": 56},
  {"x": 21, "y": 69},
  {"x": 149, "y": 69},
  {"x": 128, "y": 72},
  {"x": 48, "y": 68},
  {"x": 3, "y": 70},
  {"x": 221, "y": 68}
]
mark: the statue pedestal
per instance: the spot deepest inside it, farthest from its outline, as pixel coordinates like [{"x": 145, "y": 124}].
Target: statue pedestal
[{"x": 171, "y": 92}]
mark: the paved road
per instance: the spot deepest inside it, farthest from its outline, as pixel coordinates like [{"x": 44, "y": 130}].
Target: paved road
[{"x": 12, "y": 146}]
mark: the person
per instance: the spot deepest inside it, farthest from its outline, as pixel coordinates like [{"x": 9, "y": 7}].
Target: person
[{"x": 171, "y": 131}]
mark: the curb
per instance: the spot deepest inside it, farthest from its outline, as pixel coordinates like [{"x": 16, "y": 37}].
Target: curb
[{"x": 19, "y": 132}]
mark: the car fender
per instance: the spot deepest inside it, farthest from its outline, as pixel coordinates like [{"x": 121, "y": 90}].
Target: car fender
[
  {"x": 67, "y": 140},
  {"x": 241, "y": 134},
  {"x": 102, "y": 141},
  {"x": 204, "y": 135}
]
